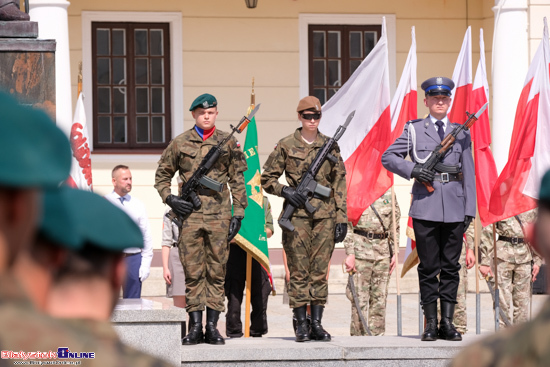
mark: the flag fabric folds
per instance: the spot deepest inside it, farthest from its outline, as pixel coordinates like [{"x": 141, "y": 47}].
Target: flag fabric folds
[
  {"x": 411, "y": 255},
  {"x": 252, "y": 237},
  {"x": 81, "y": 167},
  {"x": 369, "y": 134},
  {"x": 529, "y": 157},
  {"x": 462, "y": 77}
]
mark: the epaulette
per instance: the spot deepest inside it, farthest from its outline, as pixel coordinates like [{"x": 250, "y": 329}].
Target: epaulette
[{"x": 415, "y": 120}]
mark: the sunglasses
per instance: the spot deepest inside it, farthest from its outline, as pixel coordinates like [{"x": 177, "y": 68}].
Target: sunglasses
[{"x": 309, "y": 116}]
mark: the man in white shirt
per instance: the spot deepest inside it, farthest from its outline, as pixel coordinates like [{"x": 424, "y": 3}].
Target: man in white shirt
[{"x": 138, "y": 261}]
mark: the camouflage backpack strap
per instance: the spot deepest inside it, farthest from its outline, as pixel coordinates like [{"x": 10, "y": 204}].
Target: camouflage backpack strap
[{"x": 520, "y": 224}]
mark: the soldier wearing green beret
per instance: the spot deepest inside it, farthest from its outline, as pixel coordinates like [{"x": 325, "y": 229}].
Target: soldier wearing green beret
[
  {"x": 525, "y": 344},
  {"x": 203, "y": 242}
]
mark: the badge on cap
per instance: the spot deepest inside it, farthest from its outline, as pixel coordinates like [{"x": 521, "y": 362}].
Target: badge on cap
[
  {"x": 205, "y": 104},
  {"x": 439, "y": 81}
]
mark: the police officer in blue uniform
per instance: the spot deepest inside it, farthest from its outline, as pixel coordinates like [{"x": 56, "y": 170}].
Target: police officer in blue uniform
[{"x": 441, "y": 217}]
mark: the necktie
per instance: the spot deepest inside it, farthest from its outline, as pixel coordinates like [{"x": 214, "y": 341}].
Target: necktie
[
  {"x": 121, "y": 200},
  {"x": 440, "y": 130}
]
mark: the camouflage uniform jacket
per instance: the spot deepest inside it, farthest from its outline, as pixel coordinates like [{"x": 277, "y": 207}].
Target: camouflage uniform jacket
[
  {"x": 293, "y": 157},
  {"x": 520, "y": 253},
  {"x": 268, "y": 215},
  {"x": 373, "y": 249},
  {"x": 185, "y": 154},
  {"x": 523, "y": 345}
]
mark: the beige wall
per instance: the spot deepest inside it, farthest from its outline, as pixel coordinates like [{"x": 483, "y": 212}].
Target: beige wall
[{"x": 225, "y": 45}]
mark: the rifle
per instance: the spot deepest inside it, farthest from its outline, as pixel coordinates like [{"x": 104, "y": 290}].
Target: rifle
[
  {"x": 199, "y": 178},
  {"x": 308, "y": 186},
  {"x": 447, "y": 143}
]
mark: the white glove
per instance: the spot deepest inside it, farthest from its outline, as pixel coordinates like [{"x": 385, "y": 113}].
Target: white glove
[{"x": 143, "y": 273}]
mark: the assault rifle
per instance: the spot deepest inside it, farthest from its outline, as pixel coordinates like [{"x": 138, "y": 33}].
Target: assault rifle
[
  {"x": 447, "y": 143},
  {"x": 308, "y": 186},
  {"x": 199, "y": 178}
]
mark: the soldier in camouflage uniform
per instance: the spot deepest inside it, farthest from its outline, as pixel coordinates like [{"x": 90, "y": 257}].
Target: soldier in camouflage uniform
[
  {"x": 206, "y": 232},
  {"x": 518, "y": 265},
  {"x": 369, "y": 246},
  {"x": 309, "y": 247},
  {"x": 525, "y": 344}
]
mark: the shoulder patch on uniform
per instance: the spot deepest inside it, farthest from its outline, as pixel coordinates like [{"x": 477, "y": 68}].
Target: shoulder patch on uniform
[
  {"x": 276, "y": 145},
  {"x": 386, "y": 201},
  {"x": 238, "y": 144}
]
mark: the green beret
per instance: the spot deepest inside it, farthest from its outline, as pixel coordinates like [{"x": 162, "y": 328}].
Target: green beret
[
  {"x": 33, "y": 151},
  {"x": 204, "y": 101},
  {"x": 57, "y": 222},
  {"x": 102, "y": 224},
  {"x": 544, "y": 194}
]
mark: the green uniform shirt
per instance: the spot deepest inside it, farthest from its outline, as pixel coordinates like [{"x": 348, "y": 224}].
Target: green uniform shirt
[{"x": 268, "y": 215}]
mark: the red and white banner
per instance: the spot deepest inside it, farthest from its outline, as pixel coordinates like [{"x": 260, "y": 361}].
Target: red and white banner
[
  {"x": 462, "y": 77},
  {"x": 403, "y": 106},
  {"x": 486, "y": 170},
  {"x": 529, "y": 157},
  {"x": 367, "y": 137},
  {"x": 411, "y": 255},
  {"x": 81, "y": 167}
]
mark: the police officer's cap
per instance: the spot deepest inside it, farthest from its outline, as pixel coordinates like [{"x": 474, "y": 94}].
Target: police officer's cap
[
  {"x": 544, "y": 194},
  {"x": 204, "y": 101},
  {"x": 438, "y": 86},
  {"x": 58, "y": 218},
  {"x": 33, "y": 151}
]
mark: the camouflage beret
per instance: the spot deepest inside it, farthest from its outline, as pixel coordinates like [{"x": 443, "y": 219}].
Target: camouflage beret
[
  {"x": 204, "y": 101},
  {"x": 33, "y": 151}
]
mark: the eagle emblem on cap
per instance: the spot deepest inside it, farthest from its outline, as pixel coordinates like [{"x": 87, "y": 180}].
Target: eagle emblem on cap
[
  {"x": 205, "y": 104},
  {"x": 439, "y": 81}
]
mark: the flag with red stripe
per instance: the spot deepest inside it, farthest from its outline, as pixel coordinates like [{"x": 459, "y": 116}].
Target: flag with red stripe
[
  {"x": 462, "y": 77},
  {"x": 81, "y": 167}
]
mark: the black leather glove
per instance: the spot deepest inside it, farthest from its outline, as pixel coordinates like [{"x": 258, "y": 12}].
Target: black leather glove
[
  {"x": 340, "y": 232},
  {"x": 234, "y": 227},
  {"x": 421, "y": 174},
  {"x": 295, "y": 199},
  {"x": 179, "y": 206},
  {"x": 467, "y": 220}
]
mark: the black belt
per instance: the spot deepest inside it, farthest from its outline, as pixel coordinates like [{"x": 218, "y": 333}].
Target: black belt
[
  {"x": 207, "y": 192},
  {"x": 512, "y": 240},
  {"x": 125, "y": 254},
  {"x": 448, "y": 177},
  {"x": 371, "y": 235}
]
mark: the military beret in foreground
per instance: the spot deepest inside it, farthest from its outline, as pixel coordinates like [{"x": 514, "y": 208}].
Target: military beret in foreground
[
  {"x": 544, "y": 194},
  {"x": 204, "y": 101},
  {"x": 438, "y": 86},
  {"x": 33, "y": 151},
  {"x": 309, "y": 103},
  {"x": 58, "y": 223},
  {"x": 101, "y": 224}
]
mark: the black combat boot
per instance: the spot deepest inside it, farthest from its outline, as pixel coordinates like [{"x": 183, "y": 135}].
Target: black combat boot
[
  {"x": 195, "y": 335},
  {"x": 317, "y": 331},
  {"x": 302, "y": 328},
  {"x": 308, "y": 317},
  {"x": 447, "y": 330},
  {"x": 430, "y": 331},
  {"x": 211, "y": 334}
]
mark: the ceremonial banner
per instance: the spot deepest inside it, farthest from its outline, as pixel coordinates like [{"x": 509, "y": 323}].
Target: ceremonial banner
[
  {"x": 369, "y": 134},
  {"x": 252, "y": 237},
  {"x": 81, "y": 167},
  {"x": 411, "y": 255},
  {"x": 462, "y": 77},
  {"x": 529, "y": 157}
]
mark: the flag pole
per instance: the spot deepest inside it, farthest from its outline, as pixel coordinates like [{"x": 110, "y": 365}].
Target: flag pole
[
  {"x": 248, "y": 256},
  {"x": 497, "y": 295},
  {"x": 79, "y": 79},
  {"x": 478, "y": 296},
  {"x": 396, "y": 252}
]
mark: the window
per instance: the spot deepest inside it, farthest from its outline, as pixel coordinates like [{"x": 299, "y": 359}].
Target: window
[
  {"x": 131, "y": 85},
  {"x": 335, "y": 52}
]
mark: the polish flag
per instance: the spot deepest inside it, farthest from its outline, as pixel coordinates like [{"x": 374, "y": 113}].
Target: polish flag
[
  {"x": 462, "y": 77},
  {"x": 486, "y": 170},
  {"x": 81, "y": 167},
  {"x": 529, "y": 158},
  {"x": 404, "y": 103},
  {"x": 367, "y": 137},
  {"x": 411, "y": 255}
]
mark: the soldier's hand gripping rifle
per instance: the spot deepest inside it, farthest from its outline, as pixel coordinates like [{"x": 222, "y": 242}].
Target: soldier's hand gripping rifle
[
  {"x": 199, "y": 178},
  {"x": 308, "y": 186},
  {"x": 447, "y": 143}
]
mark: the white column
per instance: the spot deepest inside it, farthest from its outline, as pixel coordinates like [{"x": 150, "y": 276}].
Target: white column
[
  {"x": 510, "y": 63},
  {"x": 53, "y": 23}
]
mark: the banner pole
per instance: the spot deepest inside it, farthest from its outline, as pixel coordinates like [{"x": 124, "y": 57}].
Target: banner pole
[
  {"x": 497, "y": 295},
  {"x": 396, "y": 253},
  {"x": 248, "y": 295},
  {"x": 478, "y": 297}
]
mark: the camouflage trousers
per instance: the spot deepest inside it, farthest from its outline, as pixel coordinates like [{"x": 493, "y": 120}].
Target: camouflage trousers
[
  {"x": 308, "y": 251},
  {"x": 460, "y": 318},
  {"x": 371, "y": 284},
  {"x": 204, "y": 251},
  {"x": 514, "y": 283}
]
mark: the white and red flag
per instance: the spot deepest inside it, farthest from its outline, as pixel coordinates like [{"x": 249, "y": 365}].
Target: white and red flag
[
  {"x": 81, "y": 167},
  {"x": 411, "y": 255},
  {"x": 486, "y": 170},
  {"x": 462, "y": 77},
  {"x": 404, "y": 103},
  {"x": 367, "y": 137},
  {"x": 529, "y": 157}
]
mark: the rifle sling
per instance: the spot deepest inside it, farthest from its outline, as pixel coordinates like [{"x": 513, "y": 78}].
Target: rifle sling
[{"x": 383, "y": 227}]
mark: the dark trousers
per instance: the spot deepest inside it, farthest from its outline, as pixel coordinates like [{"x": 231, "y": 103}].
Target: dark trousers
[
  {"x": 235, "y": 279},
  {"x": 132, "y": 285},
  {"x": 438, "y": 245}
]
